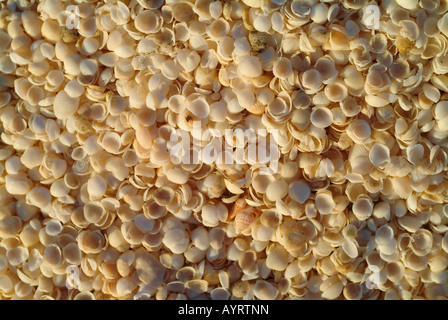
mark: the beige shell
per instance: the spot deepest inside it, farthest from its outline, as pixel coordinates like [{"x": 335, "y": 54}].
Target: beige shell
[
  {"x": 245, "y": 218},
  {"x": 264, "y": 290},
  {"x": 250, "y": 67},
  {"x": 324, "y": 203},
  {"x": 277, "y": 259}
]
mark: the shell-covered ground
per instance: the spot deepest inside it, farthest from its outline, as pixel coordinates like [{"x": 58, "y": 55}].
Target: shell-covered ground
[{"x": 95, "y": 204}]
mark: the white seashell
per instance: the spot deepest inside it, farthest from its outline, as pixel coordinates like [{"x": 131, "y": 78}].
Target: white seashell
[
  {"x": 218, "y": 29},
  {"x": 336, "y": 91},
  {"x": 96, "y": 187},
  {"x": 200, "y": 238},
  {"x": 327, "y": 69},
  {"x": 39, "y": 197},
  {"x": 359, "y": 131},
  {"x": 264, "y": 290},
  {"x": 312, "y": 80},
  {"x": 363, "y": 207},
  {"x": 299, "y": 191},
  {"x": 384, "y": 235},
  {"x": 350, "y": 248},
  {"x": 331, "y": 288},
  {"x": 147, "y": 22},
  {"x": 65, "y": 106},
  {"x": 324, "y": 203},
  {"x": 277, "y": 190},
  {"x": 250, "y": 67},
  {"x": 379, "y": 155},
  {"x": 408, "y": 4},
  {"x": 199, "y": 107},
  {"x": 277, "y": 259},
  {"x": 18, "y": 184},
  {"x": 220, "y": 294},
  {"x": 321, "y": 117}
]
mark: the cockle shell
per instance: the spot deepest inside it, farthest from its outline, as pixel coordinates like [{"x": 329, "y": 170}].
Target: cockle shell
[{"x": 277, "y": 259}]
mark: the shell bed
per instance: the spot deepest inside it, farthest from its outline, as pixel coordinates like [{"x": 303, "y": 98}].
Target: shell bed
[{"x": 354, "y": 94}]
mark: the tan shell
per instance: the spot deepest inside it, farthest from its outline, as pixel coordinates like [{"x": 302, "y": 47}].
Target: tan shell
[{"x": 277, "y": 259}]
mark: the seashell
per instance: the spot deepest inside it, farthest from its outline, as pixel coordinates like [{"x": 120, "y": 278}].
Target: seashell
[
  {"x": 149, "y": 270},
  {"x": 363, "y": 207},
  {"x": 220, "y": 294},
  {"x": 352, "y": 291},
  {"x": 359, "y": 131},
  {"x": 336, "y": 91},
  {"x": 245, "y": 218},
  {"x": 237, "y": 207},
  {"x": 299, "y": 191},
  {"x": 324, "y": 203},
  {"x": 312, "y": 80},
  {"x": 277, "y": 190},
  {"x": 379, "y": 155},
  {"x": 151, "y": 4},
  {"x": 218, "y": 29},
  {"x": 321, "y": 117},
  {"x": 64, "y": 105},
  {"x": 282, "y": 68},
  {"x": 410, "y": 5},
  {"x": 147, "y": 22},
  {"x": 195, "y": 287},
  {"x": 176, "y": 240},
  {"x": 270, "y": 218},
  {"x": 250, "y": 67},
  {"x": 264, "y": 290},
  {"x": 277, "y": 259},
  {"x": 331, "y": 288}
]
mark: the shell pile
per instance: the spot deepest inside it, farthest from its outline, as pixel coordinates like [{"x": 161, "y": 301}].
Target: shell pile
[{"x": 92, "y": 205}]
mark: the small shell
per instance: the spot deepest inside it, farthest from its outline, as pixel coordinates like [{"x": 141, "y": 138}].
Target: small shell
[
  {"x": 147, "y": 22},
  {"x": 65, "y": 106},
  {"x": 324, "y": 203},
  {"x": 384, "y": 235},
  {"x": 277, "y": 259},
  {"x": 237, "y": 207},
  {"x": 277, "y": 190},
  {"x": 264, "y": 290},
  {"x": 331, "y": 288},
  {"x": 163, "y": 196},
  {"x": 312, "y": 80},
  {"x": 321, "y": 117},
  {"x": 336, "y": 91},
  {"x": 363, "y": 207},
  {"x": 244, "y": 219},
  {"x": 250, "y": 67},
  {"x": 220, "y": 294},
  {"x": 299, "y": 191},
  {"x": 183, "y": 12},
  {"x": 282, "y": 68},
  {"x": 359, "y": 131},
  {"x": 379, "y": 155},
  {"x": 176, "y": 240}
]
